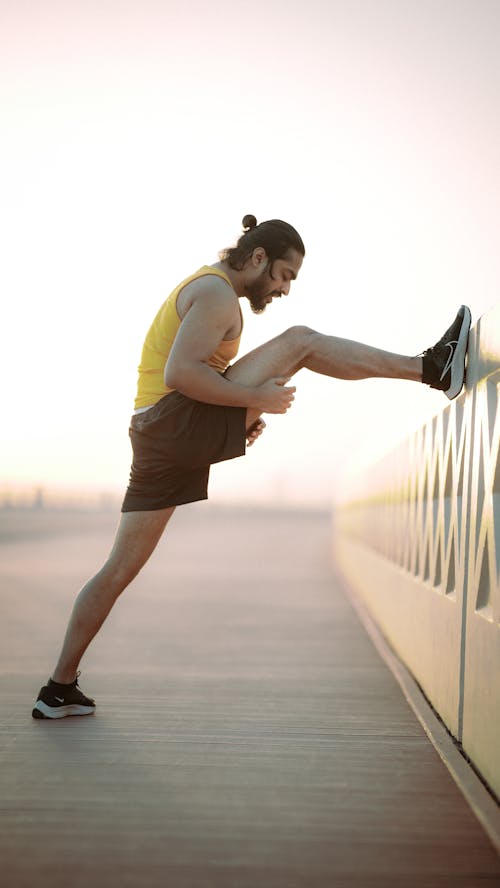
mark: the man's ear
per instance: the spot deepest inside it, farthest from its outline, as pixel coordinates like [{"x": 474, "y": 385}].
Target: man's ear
[{"x": 259, "y": 256}]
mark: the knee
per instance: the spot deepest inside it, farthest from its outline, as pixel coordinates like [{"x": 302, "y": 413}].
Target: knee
[
  {"x": 115, "y": 577},
  {"x": 298, "y": 340},
  {"x": 299, "y": 335}
]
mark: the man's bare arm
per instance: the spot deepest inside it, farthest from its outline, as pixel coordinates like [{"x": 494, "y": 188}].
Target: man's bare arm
[{"x": 203, "y": 328}]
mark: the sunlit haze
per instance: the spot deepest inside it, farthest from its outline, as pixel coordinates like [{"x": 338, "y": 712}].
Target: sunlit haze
[{"x": 134, "y": 138}]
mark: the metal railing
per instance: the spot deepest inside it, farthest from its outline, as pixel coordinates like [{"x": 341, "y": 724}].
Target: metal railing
[{"x": 421, "y": 546}]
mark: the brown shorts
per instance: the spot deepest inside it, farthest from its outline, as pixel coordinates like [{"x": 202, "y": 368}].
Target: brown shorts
[{"x": 174, "y": 444}]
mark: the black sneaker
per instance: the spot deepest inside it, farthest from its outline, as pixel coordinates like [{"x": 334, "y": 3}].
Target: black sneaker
[
  {"x": 58, "y": 700},
  {"x": 444, "y": 363}
]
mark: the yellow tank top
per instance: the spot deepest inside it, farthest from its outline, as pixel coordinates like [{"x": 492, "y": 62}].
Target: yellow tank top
[{"x": 160, "y": 338}]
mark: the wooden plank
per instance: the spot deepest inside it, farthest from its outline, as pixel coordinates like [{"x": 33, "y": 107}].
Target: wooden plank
[{"x": 247, "y": 732}]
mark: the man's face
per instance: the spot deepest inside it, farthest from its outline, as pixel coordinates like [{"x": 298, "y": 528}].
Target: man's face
[{"x": 273, "y": 282}]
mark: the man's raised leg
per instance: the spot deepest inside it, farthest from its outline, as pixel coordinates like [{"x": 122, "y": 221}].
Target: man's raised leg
[
  {"x": 442, "y": 366},
  {"x": 301, "y": 347}
]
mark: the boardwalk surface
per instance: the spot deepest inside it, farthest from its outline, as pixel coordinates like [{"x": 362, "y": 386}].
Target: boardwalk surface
[{"x": 247, "y": 734}]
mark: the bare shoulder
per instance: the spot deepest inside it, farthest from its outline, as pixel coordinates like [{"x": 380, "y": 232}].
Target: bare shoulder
[{"x": 209, "y": 292}]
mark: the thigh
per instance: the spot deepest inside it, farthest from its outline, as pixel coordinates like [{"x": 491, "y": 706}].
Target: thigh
[{"x": 281, "y": 356}]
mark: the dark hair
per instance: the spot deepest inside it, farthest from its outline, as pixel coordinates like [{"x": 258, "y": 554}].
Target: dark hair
[{"x": 275, "y": 236}]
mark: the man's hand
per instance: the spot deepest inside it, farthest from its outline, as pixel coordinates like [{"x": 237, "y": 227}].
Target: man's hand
[
  {"x": 255, "y": 430},
  {"x": 273, "y": 396}
]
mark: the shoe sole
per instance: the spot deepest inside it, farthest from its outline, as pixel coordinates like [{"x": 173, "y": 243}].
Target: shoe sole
[
  {"x": 42, "y": 710},
  {"x": 458, "y": 362}
]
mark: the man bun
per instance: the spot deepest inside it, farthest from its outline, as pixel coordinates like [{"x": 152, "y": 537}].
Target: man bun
[{"x": 249, "y": 222}]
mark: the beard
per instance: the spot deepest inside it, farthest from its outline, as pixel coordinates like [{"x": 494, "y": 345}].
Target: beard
[{"x": 259, "y": 291}]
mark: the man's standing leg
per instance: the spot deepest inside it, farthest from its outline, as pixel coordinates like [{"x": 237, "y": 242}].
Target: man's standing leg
[{"x": 136, "y": 539}]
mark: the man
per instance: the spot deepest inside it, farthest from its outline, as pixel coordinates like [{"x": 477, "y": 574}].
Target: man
[{"x": 193, "y": 409}]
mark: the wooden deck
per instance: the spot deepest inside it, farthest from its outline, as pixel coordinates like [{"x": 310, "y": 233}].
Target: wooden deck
[{"x": 248, "y": 735}]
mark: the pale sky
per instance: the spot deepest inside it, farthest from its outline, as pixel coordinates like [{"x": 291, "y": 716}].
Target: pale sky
[{"x": 134, "y": 136}]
